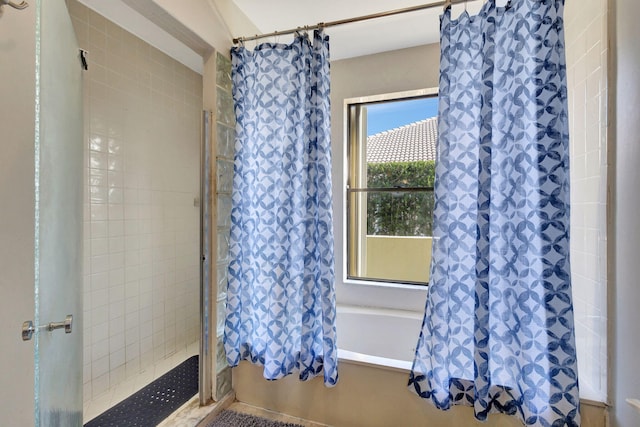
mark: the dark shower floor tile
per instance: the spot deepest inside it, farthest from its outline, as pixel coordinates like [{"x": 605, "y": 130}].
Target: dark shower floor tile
[{"x": 155, "y": 402}]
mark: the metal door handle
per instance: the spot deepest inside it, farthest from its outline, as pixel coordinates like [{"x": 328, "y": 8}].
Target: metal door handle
[{"x": 28, "y": 328}]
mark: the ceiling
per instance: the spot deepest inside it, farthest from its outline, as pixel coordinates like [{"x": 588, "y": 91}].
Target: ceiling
[
  {"x": 355, "y": 39},
  {"x": 188, "y": 30}
]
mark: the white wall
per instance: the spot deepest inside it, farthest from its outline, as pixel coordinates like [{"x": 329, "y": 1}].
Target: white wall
[
  {"x": 587, "y": 54},
  {"x": 17, "y": 119},
  {"x": 625, "y": 381}
]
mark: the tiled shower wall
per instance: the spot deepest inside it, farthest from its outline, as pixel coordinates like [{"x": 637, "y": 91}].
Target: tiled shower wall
[
  {"x": 141, "y": 262},
  {"x": 587, "y": 54},
  {"x": 225, "y": 137}
]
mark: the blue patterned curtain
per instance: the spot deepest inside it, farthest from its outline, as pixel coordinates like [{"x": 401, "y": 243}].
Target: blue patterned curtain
[
  {"x": 498, "y": 329},
  {"x": 280, "y": 298}
]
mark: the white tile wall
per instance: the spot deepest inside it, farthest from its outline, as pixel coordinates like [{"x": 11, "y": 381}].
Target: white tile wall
[
  {"x": 586, "y": 40},
  {"x": 142, "y": 128}
]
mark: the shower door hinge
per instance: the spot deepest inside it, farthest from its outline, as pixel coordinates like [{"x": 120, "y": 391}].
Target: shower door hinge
[{"x": 28, "y": 328}]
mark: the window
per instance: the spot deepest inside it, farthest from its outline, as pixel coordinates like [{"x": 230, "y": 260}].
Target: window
[{"x": 389, "y": 186}]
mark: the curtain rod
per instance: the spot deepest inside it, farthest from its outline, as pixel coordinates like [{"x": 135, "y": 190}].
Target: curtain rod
[{"x": 445, "y": 4}]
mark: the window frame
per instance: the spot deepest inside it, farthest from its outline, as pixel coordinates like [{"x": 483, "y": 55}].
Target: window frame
[{"x": 350, "y": 133}]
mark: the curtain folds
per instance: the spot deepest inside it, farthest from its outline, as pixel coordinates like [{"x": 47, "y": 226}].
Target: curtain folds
[
  {"x": 498, "y": 329},
  {"x": 280, "y": 297}
]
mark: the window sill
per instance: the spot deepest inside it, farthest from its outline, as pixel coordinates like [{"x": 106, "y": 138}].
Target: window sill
[
  {"x": 395, "y": 296},
  {"x": 391, "y": 285}
]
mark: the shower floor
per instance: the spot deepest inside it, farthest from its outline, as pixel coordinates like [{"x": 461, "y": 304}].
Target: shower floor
[
  {"x": 118, "y": 393},
  {"x": 156, "y": 401}
]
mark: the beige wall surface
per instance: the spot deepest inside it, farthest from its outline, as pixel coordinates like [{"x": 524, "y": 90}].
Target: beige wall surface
[
  {"x": 398, "y": 257},
  {"x": 17, "y": 120},
  {"x": 625, "y": 376},
  {"x": 365, "y": 396}
]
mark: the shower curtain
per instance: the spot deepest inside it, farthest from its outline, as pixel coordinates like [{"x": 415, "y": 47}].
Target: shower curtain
[
  {"x": 498, "y": 329},
  {"x": 280, "y": 298}
]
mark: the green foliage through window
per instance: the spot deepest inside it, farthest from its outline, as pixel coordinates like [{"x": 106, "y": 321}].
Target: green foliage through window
[{"x": 400, "y": 213}]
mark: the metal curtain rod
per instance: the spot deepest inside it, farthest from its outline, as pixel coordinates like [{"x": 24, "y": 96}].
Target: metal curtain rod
[{"x": 445, "y": 4}]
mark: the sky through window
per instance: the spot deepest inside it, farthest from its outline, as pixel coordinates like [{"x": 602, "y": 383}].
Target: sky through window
[{"x": 389, "y": 115}]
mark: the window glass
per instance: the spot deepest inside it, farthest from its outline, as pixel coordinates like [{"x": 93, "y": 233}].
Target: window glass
[{"x": 391, "y": 168}]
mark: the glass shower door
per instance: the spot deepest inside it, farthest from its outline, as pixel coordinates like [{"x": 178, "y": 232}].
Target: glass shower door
[{"x": 58, "y": 218}]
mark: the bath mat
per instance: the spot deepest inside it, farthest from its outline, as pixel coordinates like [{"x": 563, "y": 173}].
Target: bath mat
[
  {"x": 229, "y": 418},
  {"x": 155, "y": 402}
]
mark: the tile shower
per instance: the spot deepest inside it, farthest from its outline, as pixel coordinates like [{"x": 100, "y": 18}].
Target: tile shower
[
  {"x": 587, "y": 57},
  {"x": 141, "y": 245}
]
